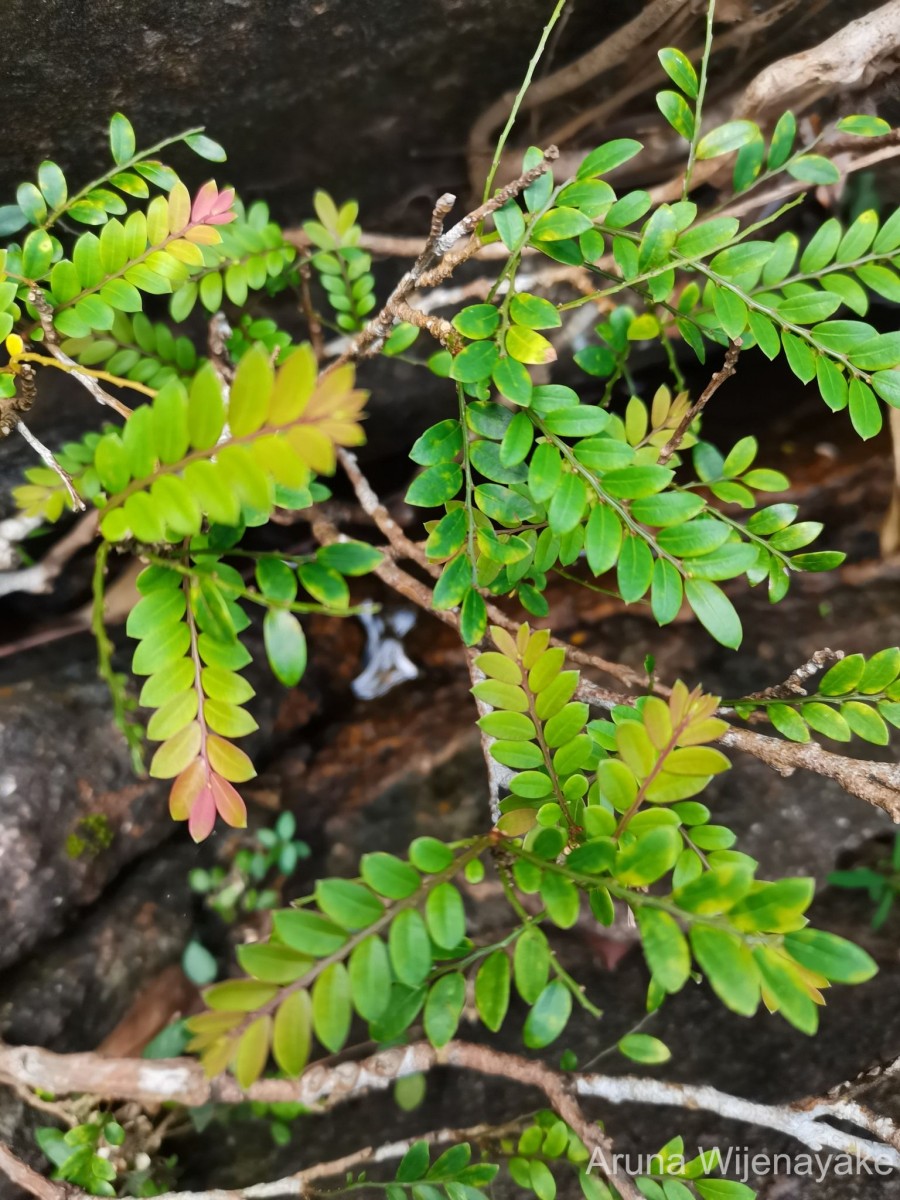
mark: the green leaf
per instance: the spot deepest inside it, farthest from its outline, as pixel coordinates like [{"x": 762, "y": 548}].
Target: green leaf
[
  {"x": 331, "y": 1007},
  {"x": 567, "y": 504},
  {"x": 435, "y": 486},
  {"x": 677, "y": 112},
  {"x": 607, "y": 157},
  {"x": 443, "y": 1008},
  {"x": 492, "y": 989},
  {"x": 642, "y": 1048},
  {"x": 787, "y": 721},
  {"x": 478, "y": 321},
  {"x": 512, "y": 380},
  {"x": 730, "y": 136},
  {"x": 809, "y": 308},
  {"x": 369, "y": 972},
  {"x": 414, "y": 1163},
  {"x": 474, "y": 363},
  {"x": 714, "y": 611},
  {"x": 813, "y": 168},
  {"x": 729, "y": 967},
  {"x": 635, "y": 568},
  {"x": 445, "y": 916},
  {"x": 700, "y": 240},
  {"x": 533, "y": 311},
  {"x": 830, "y": 955},
  {"x": 472, "y": 618},
  {"x": 308, "y": 932},
  {"x": 348, "y": 904},
  {"x": 559, "y": 224},
  {"x": 409, "y": 948},
  {"x": 680, "y": 70},
  {"x": 864, "y": 125},
  {"x": 121, "y": 138},
  {"x": 800, "y": 356},
  {"x": 205, "y": 147},
  {"x": 531, "y": 963},
  {"x": 291, "y": 1034},
  {"x": 658, "y": 239},
  {"x": 350, "y": 558},
  {"x": 389, "y": 876},
  {"x": 548, "y": 1017},
  {"x": 285, "y": 644},
  {"x": 865, "y": 722},
  {"x": 526, "y": 346},
  {"x": 665, "y": 948},
  {"x": 602, "y": 538},
  {"x": 37, "y": 254},
  {"x": 666, "y": 591},
  {"x": 865, "y": 411}
]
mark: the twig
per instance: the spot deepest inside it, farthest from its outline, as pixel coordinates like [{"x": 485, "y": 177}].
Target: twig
[
  {"x": 38, "y": 446},
  {"x": 183, "y": 1081},
  {"x": 433, "y": 264},
  {"x": 313, "y": 323},
  {"x": 878, "y": 783},
  {"x": 793, "y": 685},
  {"x": 727, "y": 369},
  {"x": 45, "y": 313}
]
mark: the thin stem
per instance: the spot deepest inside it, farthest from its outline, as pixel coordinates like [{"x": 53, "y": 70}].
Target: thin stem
[
  {"x": 138, "y": 156},
  {"x": 467, "y": 468},
  {"x": 520, "y": 96},
  {"x": 47, "y": 456},
  {"x": 701, "y": 93},
  {"x": 76, "y": 369}
]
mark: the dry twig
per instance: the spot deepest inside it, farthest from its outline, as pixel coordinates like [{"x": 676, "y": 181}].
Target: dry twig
[{"x": 727, "y": 369}]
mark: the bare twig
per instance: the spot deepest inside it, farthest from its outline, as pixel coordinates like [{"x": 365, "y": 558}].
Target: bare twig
[
  {"x": 435, "y": 264},
  {"x": 183, "y": 1081},
  {"x": 36, "y": 296},
  {"x": 793, "y": 685},
  {"x": 727, "y": 369},
  {"x": 47, "y": 456},
  {"x": 313, "y": 322}
]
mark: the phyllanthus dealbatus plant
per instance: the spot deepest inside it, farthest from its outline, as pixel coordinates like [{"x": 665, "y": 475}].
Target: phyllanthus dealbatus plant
[{"x": 593, "y": 811}]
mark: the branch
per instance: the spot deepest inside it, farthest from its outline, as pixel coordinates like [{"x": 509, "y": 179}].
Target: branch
[
  {"x": 40, "y": 577},
  {"x": 47, "y": 457},
  {"x": 432, "y": 265},
  {"x": 45, "y": 312},
  {"x": 727, "y": 369},
  {"x": 180, "y": 1080},
  {"x": 878, "y": 783}
]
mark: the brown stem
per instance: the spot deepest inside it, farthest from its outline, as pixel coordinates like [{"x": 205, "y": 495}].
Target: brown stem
[{"x": 727, "y": 369}]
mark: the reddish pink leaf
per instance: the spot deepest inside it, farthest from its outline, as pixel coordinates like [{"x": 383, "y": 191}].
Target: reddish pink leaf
[
  {"x": 204, "y": 201},
  {"x": 185, "y": 790},
  {"x": 231, "y": 807},
  {"x": 203, "y": 815}
]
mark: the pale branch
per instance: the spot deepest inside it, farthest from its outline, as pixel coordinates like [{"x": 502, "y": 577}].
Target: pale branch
[
  {"x": 435, "y": 263},
  {"x": 793, "y": 686},
  {"x": 878, "y": 783},
  {"x": 46, "y": 456},
  {"x": 51, "y": 342},
  {"x": 183, "y": 1081},
  {"x": 727, "y": 369},
  {"x": 373, "y": 507}
]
